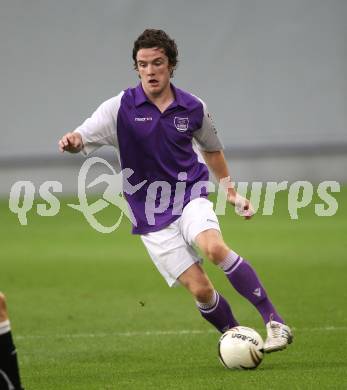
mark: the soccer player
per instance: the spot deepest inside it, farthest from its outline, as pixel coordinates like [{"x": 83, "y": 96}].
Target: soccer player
[
  {"x": 9, "y": 371},
  {"x": 153, "y": 127}
]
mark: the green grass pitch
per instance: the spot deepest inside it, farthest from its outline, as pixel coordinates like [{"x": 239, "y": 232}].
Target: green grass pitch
[{"x": 89, "y": 311}]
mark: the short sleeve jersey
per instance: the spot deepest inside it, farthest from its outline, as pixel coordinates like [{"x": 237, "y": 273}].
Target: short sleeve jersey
[{"x": 158, "y": 148}]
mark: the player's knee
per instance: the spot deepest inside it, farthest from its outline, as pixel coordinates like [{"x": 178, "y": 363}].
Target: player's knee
[
  {"x": 216, "y": 251},
  {"x": 2, "y": 299},
  {"x": 2, "y": 304}
]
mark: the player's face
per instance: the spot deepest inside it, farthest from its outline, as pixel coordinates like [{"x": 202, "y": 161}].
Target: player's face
[{"x": 154, "y": 70}]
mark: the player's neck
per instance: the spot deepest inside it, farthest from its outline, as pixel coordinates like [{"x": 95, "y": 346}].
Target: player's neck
[{"x": 163, "y": 99}]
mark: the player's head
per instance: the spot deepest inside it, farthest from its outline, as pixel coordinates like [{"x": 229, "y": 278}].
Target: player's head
[
  {"x": 151, "y": 38},
  {"x": 155, "y": 59}
]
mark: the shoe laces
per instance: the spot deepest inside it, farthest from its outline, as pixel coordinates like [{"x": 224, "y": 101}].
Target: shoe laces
[{"x": 274, "y": 329}]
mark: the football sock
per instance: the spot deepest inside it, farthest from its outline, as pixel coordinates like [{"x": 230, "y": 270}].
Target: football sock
[
  {"x": 9, "y": 371},
  {"x": 218, "y": 313},
  {"x": 246, "y": 282}
]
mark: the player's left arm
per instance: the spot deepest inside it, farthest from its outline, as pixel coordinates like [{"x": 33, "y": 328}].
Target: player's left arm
[
  {"x": 211, "y": 149},
  {"x": 216, "y": 162}
]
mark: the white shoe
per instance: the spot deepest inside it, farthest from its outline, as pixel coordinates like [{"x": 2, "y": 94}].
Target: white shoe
[{"x": 278, "y": 336}]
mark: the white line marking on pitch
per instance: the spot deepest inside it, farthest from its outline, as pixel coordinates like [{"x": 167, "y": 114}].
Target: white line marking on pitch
[{"x": 160, "y": 333}]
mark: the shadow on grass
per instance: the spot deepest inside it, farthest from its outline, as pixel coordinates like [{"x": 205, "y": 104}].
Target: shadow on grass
[{"x": 287, "y": 366}]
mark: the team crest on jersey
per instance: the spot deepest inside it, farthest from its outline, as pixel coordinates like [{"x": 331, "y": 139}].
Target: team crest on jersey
[{"x": 181, "y": 124}]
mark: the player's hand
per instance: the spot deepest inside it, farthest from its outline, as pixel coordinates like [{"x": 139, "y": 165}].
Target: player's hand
[
  {"x": 71, "y": 142},
  {"x": 242, "y": 205}
]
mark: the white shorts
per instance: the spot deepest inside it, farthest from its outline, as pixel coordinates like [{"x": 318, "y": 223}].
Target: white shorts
[{"x": 171, "y": 248}]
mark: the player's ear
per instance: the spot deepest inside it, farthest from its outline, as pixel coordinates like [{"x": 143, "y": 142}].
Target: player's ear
[
  {"x": 137, "y": 71},
  {"x": 136, "y": 68}
]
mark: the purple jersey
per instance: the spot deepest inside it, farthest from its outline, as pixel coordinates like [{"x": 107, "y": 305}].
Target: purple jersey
[{"x": 157, "y": 147}]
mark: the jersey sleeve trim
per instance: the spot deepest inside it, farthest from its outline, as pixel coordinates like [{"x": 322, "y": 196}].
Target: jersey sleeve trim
[
  {"x": 101, "y": 128},
  {"x": 206, "y": 137}
]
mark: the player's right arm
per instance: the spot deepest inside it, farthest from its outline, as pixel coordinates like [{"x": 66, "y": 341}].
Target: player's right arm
[
  {"x": 98, "y": 130},
  {"x": 71, "y": 142}
]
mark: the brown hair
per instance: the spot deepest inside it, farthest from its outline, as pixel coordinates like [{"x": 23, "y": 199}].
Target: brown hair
[{"x": 157, "y": 38}]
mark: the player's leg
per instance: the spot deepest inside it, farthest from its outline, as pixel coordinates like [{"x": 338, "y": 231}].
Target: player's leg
[
  {"x": 200, "y": 226},
  {"x": 9, "y": 371},
  {"x": 212, "y": 305},
  {"x": 238, "y": 271},
  {"x": 178, "y": 263},
  {"x": 245, "y": 280}
]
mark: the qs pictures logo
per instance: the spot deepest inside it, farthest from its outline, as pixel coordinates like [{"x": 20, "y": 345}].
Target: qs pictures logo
[{"x": 22, "y": 196}]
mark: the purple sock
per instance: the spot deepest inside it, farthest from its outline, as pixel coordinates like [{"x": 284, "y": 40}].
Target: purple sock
[
  {"x": 246, "y": 282},
  {"x": 219, "y": 315}
]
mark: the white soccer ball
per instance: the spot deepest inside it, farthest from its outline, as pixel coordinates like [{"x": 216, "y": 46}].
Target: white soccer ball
[{"x": 241, "y": 348}]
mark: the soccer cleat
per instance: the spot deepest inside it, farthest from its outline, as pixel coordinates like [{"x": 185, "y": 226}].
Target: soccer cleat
[{"x": 278, "y": 336}]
